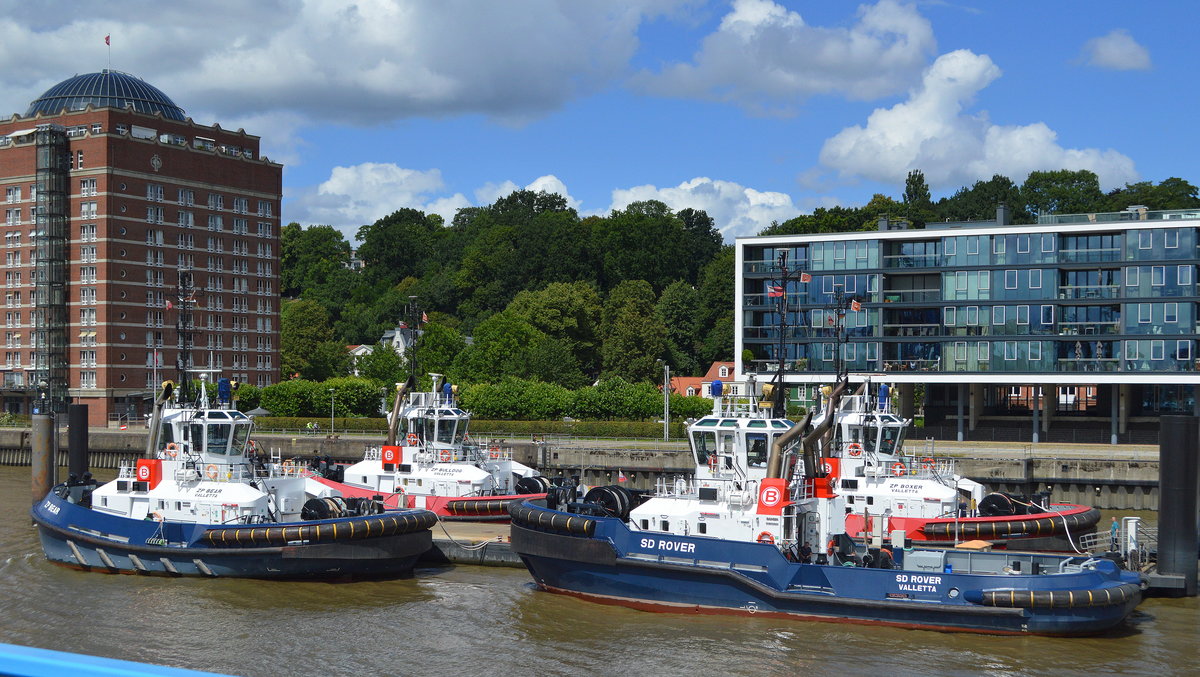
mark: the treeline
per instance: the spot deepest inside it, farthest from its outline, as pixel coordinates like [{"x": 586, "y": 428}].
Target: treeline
[
  {"x": 543, "y": 294},
  {"x": 1061, "y": 192}
]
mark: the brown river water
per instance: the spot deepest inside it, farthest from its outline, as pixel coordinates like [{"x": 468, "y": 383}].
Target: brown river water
[{"x": 492, "y": 621}]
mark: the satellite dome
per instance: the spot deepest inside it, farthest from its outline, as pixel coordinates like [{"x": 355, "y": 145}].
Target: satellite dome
[{"x": 108, "y": 88}]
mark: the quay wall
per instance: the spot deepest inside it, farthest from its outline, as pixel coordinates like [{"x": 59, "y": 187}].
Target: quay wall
[{"x": 1106, "y": 483}]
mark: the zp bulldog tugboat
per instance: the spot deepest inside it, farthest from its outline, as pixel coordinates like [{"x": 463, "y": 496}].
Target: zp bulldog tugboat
[
  {"x": 200, "y": 503},
  {"x": 438, "y": 467},
  {"x": 778, "y": 546}
]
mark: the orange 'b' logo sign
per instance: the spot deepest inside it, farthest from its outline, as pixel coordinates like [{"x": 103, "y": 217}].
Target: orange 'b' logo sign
[
  {"x": 143, "y": 472},
  {"x": 770, "y": 496}
]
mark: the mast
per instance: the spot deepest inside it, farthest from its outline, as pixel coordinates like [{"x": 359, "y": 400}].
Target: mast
[
  {"x": 779, "y": 291},
  {"x": 185, "y": 340}
]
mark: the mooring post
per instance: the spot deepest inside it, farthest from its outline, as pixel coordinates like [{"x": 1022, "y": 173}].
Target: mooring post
[
  {"x": 42, "y": 455},
  {"x": 1177, "y": 475},
  {"x": 77, "y": 440}
]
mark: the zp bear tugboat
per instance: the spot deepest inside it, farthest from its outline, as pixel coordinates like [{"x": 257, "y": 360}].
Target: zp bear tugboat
[
  {"x": 200, "y": 503},
  {"x": 773, "y": 541},
  {"x": 437, "y": 466}
]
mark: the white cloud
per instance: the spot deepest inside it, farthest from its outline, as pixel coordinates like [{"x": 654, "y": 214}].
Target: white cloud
[
  {"x": 932, "y": 132},
  {"x": 351, "y": 62},
  {"x": 362, "y": 194},
  {"x": 764, "y": 55},
  {"x": 355, "y": 196},
  {"x": 1116, "y": 51},
  {"x": 736, "y": 210}
]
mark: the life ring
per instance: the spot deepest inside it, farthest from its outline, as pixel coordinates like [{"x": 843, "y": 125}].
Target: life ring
[
  {"x": 253, "y": 447},
  {"x": 157, "y": 516},
  {"x": 172, "y": 450},
  {"x": 412, "y": 439},
  {"x": 289, "y": 467},
  {"x": 831, "y": 547},
  {"x": 712, "y": 462},
  {"x": 854, "y": 449},
  {"x": 494, "y": 452},
  {"x": 927, "y": 463},
  {"x": 898, "y": 469},
  {"x": 446, "y": 455},
  {"x": 210, "y": 471},
  {"x": 766, "y": 537}
]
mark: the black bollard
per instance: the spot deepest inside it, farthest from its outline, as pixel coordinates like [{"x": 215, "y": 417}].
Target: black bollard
[
  {"x": 1177, "y": 475},
  {"x": 77, "y": 439}
]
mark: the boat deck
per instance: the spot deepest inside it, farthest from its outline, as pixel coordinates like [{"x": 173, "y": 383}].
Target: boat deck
[{"x": 480, "y": 543}]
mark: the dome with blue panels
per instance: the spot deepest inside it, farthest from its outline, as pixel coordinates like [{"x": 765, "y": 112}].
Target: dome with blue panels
[{"x": 107, "y": 88}]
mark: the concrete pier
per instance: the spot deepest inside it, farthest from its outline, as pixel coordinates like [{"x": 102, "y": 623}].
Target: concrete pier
[{"x": 479, "y": 543}]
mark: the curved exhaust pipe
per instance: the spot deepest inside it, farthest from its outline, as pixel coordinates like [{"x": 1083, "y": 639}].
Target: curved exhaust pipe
[
  {"x": 775, "y": 460},
  {"x": 811, "y": 467},
  {"x": 394, "y": 417}
]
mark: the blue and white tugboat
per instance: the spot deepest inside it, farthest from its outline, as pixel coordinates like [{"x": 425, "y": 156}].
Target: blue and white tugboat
[
  {"x": 773, "y": 541},
  {"x": 202, "y": 503}
]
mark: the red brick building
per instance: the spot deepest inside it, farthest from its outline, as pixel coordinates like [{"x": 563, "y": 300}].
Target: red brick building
[{"x": 148, "y": 193}]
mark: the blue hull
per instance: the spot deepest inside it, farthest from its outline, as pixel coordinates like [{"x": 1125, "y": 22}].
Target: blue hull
[
  {"x": 82, "y": 538},
  {"x": 693, "y": 574}
]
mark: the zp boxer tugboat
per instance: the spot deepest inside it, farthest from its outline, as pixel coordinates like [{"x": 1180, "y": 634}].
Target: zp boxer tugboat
[
  {"x": 729, "y": 543},
  {"x": 437, "y": 466},
  {"x": 201, "y": 503}
]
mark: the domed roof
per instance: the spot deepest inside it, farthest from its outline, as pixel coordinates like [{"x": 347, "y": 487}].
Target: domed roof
[{"x": 106, "y": 88}]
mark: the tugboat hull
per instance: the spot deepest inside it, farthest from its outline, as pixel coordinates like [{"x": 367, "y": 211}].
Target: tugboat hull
[
  {"x": 80, "y": 538},
  {"x": 687, "y": 574}
]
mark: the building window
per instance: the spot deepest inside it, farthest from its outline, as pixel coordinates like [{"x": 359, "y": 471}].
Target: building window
[
  {"x": 1010, "y": 279},
  {"x": 950, "y": 246},
  {"x": 1010, "y": 350},
  {"x": 1145, "y": 239},
  {"x": 1158, "y": 276},
  {"x": 1022, "y": 244},
  {"x": 1047, "y": 315},
  {"x": 997, "y": 316},
  {"x": 87, "y": 379},
  {"x": 266, "y": 209},
  {"x": 187, "y": 197},
  {"x": 216, "y": 201},
  {"x": 998, "y": 244},
  {"x": 13, "y": 194},
  {"x": 12, "y": 217},
  {"x": 1183, "y": 350},
  {"x": 984, "y": 351},
  {"x": 1143, "y": 313},
  {"x": 1035, "y": 350},
  {"x": 1022, "y": 314},
  {"x": 87, "y": 232},
  {"x": 1184, "y": 274},
  {"x": 960, "y": 351},
  {"x": 948, "y": 316},
  {"x": 87, "y": 187},
  {"x": 154, "y": 214},
  {"x": 1157, "y": 349},
  {"x": 241, "y": 205},
  {"x": 960, "y": 280},
  {"x": 1035, "y": 278},
  {"x": 215, "y": 222},
  {"x": 1171, "y": 313},
  {"x": 87, "y": 317},
  {"x": 972, "y": 245},
  {"x": 186, "y": 219},
  {"x": 1131, "y": 276},
  {"x": 1047, "y": 243},
  {"x": 78, "y": 159},
  {"x": 154, "y": 192}
]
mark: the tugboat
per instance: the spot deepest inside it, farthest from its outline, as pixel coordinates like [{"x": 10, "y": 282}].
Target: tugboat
[
  {"x": 777, "y": 545},
  {"x": 203, "y": 503},
  {"x": 438, "y": 466}
]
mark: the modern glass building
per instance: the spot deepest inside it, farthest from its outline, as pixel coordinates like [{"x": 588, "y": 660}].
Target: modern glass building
[{"x": 1081, "y": 327}]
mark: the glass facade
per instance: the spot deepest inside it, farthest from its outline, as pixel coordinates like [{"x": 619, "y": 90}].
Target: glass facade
[{"x": 1081, "y": 295}]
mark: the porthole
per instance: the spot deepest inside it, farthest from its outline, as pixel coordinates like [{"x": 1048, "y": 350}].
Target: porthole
[
  {"x": 121, "y": 336},
  {"x": 122, "y": 231},
  {"x": 122, "y": 378},
  {"x": 123, "y": 294},
  {"x": 122, "y": 316},
  {"x": 122, "y": 209},
  {"x": 122, "y": 357},
  {"x": 122, "y": 273},
  {"x": 122, "y": 252},
  {"x": 122, "y": 186}
]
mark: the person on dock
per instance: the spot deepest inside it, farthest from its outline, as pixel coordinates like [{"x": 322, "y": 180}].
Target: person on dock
[{"x": 1114, "y": 533}]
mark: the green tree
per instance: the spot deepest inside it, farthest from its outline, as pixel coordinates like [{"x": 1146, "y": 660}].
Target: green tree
[
  {"x": 499, "y": 349},
  {"x": 640, "y": 242},
  {"x": 569, "y": 313},
  {"x": 438, "y": 347},
  {"x": 1064, "y": 191},
  {"x": 701, "y": 241},
  {"x": 918, "y": 204},
  {"x": 634, "y": 336},
  {"x": 383, "y": 364},
  {"x": 1173, "y": 193},
  {"x": 679, "y": 309},
  {"x": 978, "y": 203},
  {"x": 308, "y": 257},
  {"x": 398, "y": 245},
  {"x": 822, "y": 220},
  {"x": 303, "y": 325}
]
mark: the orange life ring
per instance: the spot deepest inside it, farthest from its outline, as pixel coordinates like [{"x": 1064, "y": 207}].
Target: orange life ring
[
  {"x": 899, "y": 469},
  {"x": 446, "y": 455},
  {"x": 210, "y": 471},
  {"x": 927, "y": 463},
  {"x": 157, "y": 516},
  {"x": 172, "y": 450},
  {"x": 494, "y": 452},
  {"x": 766, "y": 537},
  {"x": 412, "y": 439},
  {"x": 854, "y": 449},
  {"x": 289, "y": 467},
  {"x": 831, "y": 547},
  {"x": 712, "y": 462}
]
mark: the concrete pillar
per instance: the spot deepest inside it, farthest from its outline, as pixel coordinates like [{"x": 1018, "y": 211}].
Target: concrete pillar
[
  {"x": 960, "y": 395},
  {"x": 1049, "y": 404},
  {"x": 1116, "y": 397},
  {"x": 1177, "y": 479},
  {"x": 907, "y": 405},
  {"x": 42, "y": 457},
  {"x": 1125, "y": 400},
  {"x": 976, "y": 405},
  {"x": 1036, "y": 406}
]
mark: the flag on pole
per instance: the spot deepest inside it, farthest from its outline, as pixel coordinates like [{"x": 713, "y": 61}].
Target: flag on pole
[
  {"x": 424, "y": 317},
  {"x": 855, "y": 305},
  {"x": 621, "y": 476},
  {"x": 805, "y": 277},
  {"x": 169, "y": 304},
  {"x": 774, "y": 292},
  {"x": 830, "y": 319},
  {"x": 106, "y": 40}
]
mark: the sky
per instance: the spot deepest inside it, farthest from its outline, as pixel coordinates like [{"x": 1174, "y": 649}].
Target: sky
[{"x": 753, "y": 110}]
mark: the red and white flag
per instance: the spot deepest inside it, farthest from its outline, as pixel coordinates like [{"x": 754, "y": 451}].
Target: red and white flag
[
  {"x": 621, "y": 476},
  {"x": 169, "y": 304},
  {"x": 106, "y": 40},
  {"x": 855, "y": 305},
  {"x": 805, "y": 277},
  {"x": 774, "y": 292},
  {"x": 424, "y": 317}
]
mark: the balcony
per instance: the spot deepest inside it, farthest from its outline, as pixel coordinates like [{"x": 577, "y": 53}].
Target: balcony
[
  {"x": 912, "y": 365},
  {"x": 1088, "y": 328},
  {"x": 912, "y": 295},
  {"x": 912, "y": 261},
  {"x": 1089, "y": 255},
  {"x": 912, "y": 330},
  {"x": 1099, "y": 291}
]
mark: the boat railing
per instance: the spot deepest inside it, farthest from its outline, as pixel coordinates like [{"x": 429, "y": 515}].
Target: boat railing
[
  {"x": 677, "y": 486},
  {"x": 373, "y": 454}
]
